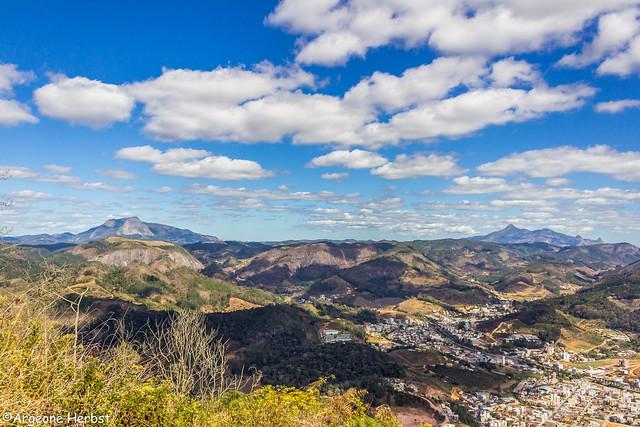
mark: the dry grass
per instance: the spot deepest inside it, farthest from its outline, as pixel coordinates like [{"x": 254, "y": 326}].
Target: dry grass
[
  {"x": 418, "y": 307},
  {"x": 178, "y": 379}
]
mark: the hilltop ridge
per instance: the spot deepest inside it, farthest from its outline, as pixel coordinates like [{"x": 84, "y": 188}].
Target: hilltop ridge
[
  {"x": 126, "y": 227},
  {"x": 513, "y": 234}
]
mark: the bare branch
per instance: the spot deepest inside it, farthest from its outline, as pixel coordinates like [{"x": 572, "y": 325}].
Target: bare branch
[{"x": 193, "y": 359}]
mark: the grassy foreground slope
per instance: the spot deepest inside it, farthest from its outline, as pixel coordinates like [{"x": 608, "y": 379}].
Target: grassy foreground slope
[{"x": 45, "y": 371}]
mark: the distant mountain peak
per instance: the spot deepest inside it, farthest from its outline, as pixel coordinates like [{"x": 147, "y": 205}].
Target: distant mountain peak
[
  {"x": 512, "y": 234},
  {"x": 129, "y": 227}
]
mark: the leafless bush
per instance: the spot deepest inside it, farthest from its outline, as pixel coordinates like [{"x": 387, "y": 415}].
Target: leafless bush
[
  {"x": 192, "y": 358},
  {"x": 51, "y": 294}
]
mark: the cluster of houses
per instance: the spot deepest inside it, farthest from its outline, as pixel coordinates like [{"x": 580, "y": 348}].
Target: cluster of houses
[
  {"x": 548, "y": 401},
  {"x": 330, "y": 336}
]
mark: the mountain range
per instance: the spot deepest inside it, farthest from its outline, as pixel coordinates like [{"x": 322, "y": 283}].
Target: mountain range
[
  {"x": 125, "y": 227},
  {"x": 513, "y": 234}
]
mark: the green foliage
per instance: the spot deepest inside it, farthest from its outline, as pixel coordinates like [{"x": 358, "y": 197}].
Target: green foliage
[
  {"x": 118, "y": 280},
  {"x": 286, "y": 361},
  {"x": 599, "y": 302},
  {"x": 464, "y": 415},
  {"x": 288, "y": 406},
  {"x": 178, "y": 288}
]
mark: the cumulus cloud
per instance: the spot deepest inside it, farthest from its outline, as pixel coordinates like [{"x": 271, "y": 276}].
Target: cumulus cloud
[
  {"x": 332, "y": 31},
  {"x": 475, "y": 110},
  {"x": 335, "y": 176},
  {"x": 147, "y": 153},
  {"x": 227, "y": 103},
  {"x": 355, "y": 159},
  {"x": 509, "y": 71},
  {"x": 13, "y": 112},
  {"x": 479, "y": 185},
  {"x": 419, "y": 165},
  {"x": 448, "y": 97},
  {"x": 554, "y": 162},
  {"x": 83, "y": 101},
  {"x": 613, "y": 107},
  {"x": 191, "y": 163},
  {"x": 624, "y": 63},
  {"x": 616, "y": 42},
  {"x": 10, "y": 76},
  {"x": 428, "y": 82}
]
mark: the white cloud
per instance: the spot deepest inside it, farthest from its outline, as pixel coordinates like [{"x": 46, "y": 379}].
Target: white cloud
[
  {"x": 190, "y": 163},
  {"x": 335, "y": 176},
  {"x": 101, "y": 186},
  {"x": 623, "y": 63},
  {"x": 554, "y": 162},
  {"x": 417, "y": 85},
  {"x": 475, "y": 110},
  {"x": 13, "y": 113},
  {"x": 449, "y": 97},
  {"x": 10, "y": 76},
  {"x": 117, "y": 173},
  {"x": 479, "y": 185},
  {"x": 519, "y": 203},
  {"x": 215, "y": 167},
  {"x": 82, "y": 101},
  {"x": 558, "y": 182},
  {"x": 57, "y": 169},
  {"x": 509, "y": 71},
  {"x": 190, "y": 104},
  {"x": 613, "y": 107},
  {"x": 242, "y": 192},
  {"x": 16, "y": 172},
  {"x": 332, "y": 31},
  {"x": 419, "y": 165},
  {"x": 615, "y": 32},
  {"x": 251, "y": 106},
  {"x": 146, "y": 153},
  {"x": 77, "y": 183},
  {"x": 355, "y": 159},
  {"x": 610, "y": 195}
]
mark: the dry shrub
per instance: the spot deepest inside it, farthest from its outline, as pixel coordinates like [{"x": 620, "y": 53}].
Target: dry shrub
[{"x": 192, "y": 358}]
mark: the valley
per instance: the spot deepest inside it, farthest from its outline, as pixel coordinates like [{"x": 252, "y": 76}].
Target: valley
[{"x": 454, "y": 331}]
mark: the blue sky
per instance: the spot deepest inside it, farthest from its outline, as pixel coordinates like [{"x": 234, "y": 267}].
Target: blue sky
[{"x": 273, "y": 120}]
